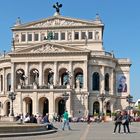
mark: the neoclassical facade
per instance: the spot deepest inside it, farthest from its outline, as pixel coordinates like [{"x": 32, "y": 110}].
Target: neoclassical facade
[{"x": 61, "y": 55}]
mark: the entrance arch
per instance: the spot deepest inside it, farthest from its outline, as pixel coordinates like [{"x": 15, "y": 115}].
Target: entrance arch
[
  {"x": 7, "y": 108},
  {"x": 27, "y": 106},
  {"x": 96, "y": 107},
  {"x": 43, "y": 106},
  {"x": 108, "y": 109},
  {"x": 59, "y": 106}
]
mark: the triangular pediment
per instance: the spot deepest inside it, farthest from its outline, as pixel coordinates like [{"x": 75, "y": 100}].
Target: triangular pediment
[
  {"x": 58, "y": 21},
  {"x": 48, "y": 47}
]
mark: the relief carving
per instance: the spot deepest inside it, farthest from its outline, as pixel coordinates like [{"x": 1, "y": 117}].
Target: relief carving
[
  {"x": 47, "y": 48},
  {"x": 56, "y": 22}
]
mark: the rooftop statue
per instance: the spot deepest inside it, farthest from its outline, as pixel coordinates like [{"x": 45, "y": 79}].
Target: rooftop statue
[{"x": 57, "y": 6}]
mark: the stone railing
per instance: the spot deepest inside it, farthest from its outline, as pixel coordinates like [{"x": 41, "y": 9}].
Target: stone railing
[{"x": 101, "y": 53}]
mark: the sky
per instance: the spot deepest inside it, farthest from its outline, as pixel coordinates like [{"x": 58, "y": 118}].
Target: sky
[{"x": 121, "y": 19}]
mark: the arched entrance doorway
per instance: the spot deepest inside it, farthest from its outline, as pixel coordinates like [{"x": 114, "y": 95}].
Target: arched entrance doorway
[
  {"x": 96, "y": 108},
  {"x": 27, "y": 106},
  {"x": 43, "y": 106},
  {"x": 7, "y": 108},
  {"x": 108, "y": 110},
  {"x": 61, "y": 107}
]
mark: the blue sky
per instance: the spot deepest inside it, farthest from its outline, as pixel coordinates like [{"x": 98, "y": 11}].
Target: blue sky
[{"x": 121, "y": 19}]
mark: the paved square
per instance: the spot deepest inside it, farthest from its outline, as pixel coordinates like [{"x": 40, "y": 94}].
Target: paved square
[{"x": 83, "y": 131}]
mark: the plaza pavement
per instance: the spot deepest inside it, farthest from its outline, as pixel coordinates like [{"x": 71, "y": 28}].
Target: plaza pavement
[{"x": 83, "y": 131}]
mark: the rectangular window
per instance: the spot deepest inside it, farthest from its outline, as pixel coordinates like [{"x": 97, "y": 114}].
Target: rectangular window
[
  {"x": 90, "y": 35},
  {"x": 62, "y": 36},
  {"x": 29, "y": 37},
  {"x": 23, "y": 37},
  {"x": 83, "y": 35},
  {"x": 36, "y": 37},
  {"x": 76, "y": 35},
  {"x": 55, "y": 36}
]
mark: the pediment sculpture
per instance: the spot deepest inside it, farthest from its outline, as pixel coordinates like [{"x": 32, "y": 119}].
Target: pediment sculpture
[
  {"x": 56, "y": 22},
  {"x": 47, "y": 48}
]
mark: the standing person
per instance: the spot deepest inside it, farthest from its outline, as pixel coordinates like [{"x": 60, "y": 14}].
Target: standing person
[
  {"x": 118, "y": 121},
  {"x": 126, "y": 121},
  {"x": 66, "y": 120}
]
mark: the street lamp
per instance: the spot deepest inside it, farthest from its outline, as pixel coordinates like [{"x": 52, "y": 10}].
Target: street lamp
[
  {"x": 65, "y": 96},
  {"x": 12, "y": 97},
  {"x": 102, "y": 97}
]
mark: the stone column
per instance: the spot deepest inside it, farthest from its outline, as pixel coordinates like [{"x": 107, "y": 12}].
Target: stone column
[
  {"x": 20, "y": 102},
  {"x": 51, "y": 105},
  {"x": 111, "y": 82},
  {"x": 85, "y": 75},
  {"x": 68, "y": 103},
  {"x": 4, "y": 81},
  {"x": 55, "y": 73},
  {"x": 40, "y": 74},
  {"x": 71, "y": 74},
  {"x": 128, "y": 83},
  {"x": 0, "y": 82},
  {"x": 36, "y": 110},
  {"x": 27, "y": 73},
  {"x": 102, "y": 79},
  {"x": 12, "y": 76}
]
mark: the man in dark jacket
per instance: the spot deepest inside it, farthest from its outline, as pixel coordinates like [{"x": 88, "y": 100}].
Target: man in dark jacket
[{"x": 118, "y": 120}]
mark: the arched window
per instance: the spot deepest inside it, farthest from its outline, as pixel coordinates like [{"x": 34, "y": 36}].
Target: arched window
[
  {"x": 95, "y": 81},
  {"x": 106, "y": 82},
  {"x": 8, "y": 81},
  {"x": 50, "y": 77},
  {"x": 79, "y": 78},
  {"x": 65, "y": 78}
]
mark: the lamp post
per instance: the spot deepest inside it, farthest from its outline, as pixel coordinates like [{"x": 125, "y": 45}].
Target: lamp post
[
  {"x": 102, "y": 97},
  {"x": 65, "y": 96},
  {"x": 12, "y": 97},
  {"x": 129, "y": 99}
]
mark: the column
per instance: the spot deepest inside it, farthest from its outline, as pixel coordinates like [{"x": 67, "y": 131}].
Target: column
[
  {"x": 4, "y": 81},
  {"x": 71, "y": 74},
  {"x": 55, "y": 74},
  {"x": 59, "y": 36},
  {"x": 128, "y": 83},
  {"x": 51, "y": 105},
  {"x": 40, "y": 74},
  {"x": 39, "y": 36},
  {"x": 0, "y": 82},
  {"x": 27, "y": 73},
  {"x": 68, "y": 103},
  {"x": 102, "y": 79},
  {"x": 111, "y": 81},
  {"x": 35, "y": 103},
  {"x": 85, "y": 75},
  {"x": 20, "y": 102},
  {"x": 12, "y": 76}
]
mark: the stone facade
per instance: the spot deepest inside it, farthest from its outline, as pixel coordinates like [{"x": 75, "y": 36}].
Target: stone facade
[{"x": 41, "y": 68}]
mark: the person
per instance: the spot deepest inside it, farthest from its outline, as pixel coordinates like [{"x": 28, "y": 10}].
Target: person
[
  {"x": 118, "y": 120},
  {"x": 46, "y": 121},
  {"x": 66, "y": 120},
  {"x": 122, "y": 87},
  {"x": 126, "y": 121}
]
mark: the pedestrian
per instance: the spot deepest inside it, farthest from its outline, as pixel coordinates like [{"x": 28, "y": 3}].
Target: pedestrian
[
  {"x": 46, "y": 121},
  {"x": 66, "y": 120},
  {"x": 126, "y": 121},
  {"x": 118, "y": 121}
]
